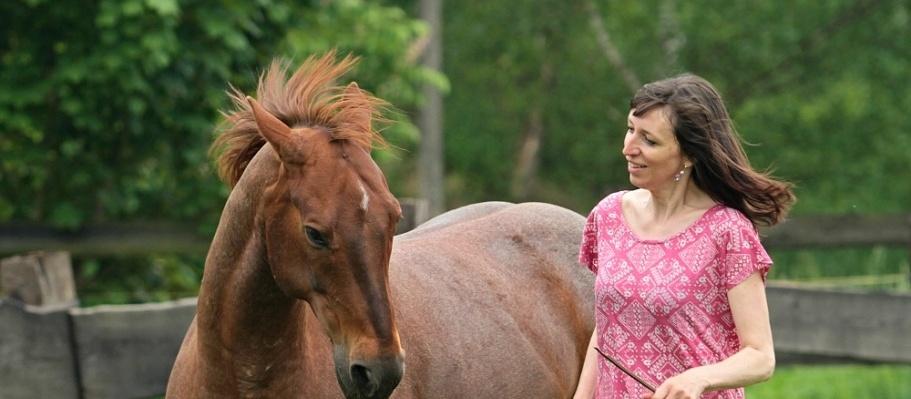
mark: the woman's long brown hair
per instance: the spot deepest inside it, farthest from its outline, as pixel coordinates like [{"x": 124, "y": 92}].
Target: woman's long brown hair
[{"x": 707, "y": 136}]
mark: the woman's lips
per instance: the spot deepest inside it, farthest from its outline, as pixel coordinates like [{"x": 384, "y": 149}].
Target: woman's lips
[{"x": 634, "y": 167}]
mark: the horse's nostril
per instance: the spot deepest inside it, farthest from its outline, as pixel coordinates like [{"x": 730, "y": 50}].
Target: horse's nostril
[{"x": 363, "y": 380}]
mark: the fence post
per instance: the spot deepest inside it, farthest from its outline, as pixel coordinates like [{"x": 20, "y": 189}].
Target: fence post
[
  {"x": 36, "y": 351},
  {"x": 39, "y": 279}
]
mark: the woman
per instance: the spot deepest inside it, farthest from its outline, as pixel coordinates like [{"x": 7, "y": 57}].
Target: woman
[{"x": 680, "y": 294}]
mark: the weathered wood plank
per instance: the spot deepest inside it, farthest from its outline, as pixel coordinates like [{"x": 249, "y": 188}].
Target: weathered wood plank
[
  {"x": 839, "y": 231},
  {"x": 41, "y": 278},
  {"x": 36, "y": 356},
  {"x": 120, "y": 239},
  {"x": 126, "y": 351},
  {"x": 142, "y": 238},
  {"x": 106, "y": 239},
  {"x": 862, "y": 326}
]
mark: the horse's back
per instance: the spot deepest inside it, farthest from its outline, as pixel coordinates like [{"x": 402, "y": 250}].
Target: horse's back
[
  {"x": 458, "y": 215},
  {"x": 492, "y": 303}
]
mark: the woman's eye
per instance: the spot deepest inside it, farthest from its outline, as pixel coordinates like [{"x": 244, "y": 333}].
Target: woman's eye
[
  {"x": 316, "y": 238},
  {"x": 649, "y": 142}
]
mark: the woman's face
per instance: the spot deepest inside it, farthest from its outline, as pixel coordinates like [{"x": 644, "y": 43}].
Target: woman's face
[{"x": 651, "y": 150}]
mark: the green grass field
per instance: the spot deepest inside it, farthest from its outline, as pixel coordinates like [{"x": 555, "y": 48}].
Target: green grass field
[{"x": 836, "y": 382}]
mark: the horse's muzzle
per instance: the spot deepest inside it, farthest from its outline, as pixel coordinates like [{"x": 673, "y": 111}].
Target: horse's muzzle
[{"x": 370, "y": 379}]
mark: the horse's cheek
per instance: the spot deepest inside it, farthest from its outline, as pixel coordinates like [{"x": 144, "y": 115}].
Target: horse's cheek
[{"x": 288, "y": 255}]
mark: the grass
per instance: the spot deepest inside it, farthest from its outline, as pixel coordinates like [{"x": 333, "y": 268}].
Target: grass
[
  {"x": 876, "y": 268},
  {"x": 831, "y": 382},
  {"x": 836, "y": 382}
]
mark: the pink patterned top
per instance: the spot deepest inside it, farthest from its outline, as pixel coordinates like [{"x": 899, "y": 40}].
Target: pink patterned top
[{"x": 662, "y": 306}]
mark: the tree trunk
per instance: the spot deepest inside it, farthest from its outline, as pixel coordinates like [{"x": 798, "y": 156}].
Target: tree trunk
[
  {"x": 525, "y": 173},
  {"x": 607, "y": 46},
  {"x": 672, "y": 37},
  {"x": 430, "y": 119},
  {"x": 524, "y": 176}
]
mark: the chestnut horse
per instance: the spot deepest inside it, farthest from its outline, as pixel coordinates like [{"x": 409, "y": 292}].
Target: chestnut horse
[{"x": 306, "y": 294}]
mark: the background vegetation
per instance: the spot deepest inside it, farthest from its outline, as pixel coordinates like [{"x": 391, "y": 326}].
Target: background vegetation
[{"x": 107, "y": 108}]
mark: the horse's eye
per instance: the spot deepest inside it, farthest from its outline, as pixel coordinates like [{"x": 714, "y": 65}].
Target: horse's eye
[{"x": 316, "y": 238}]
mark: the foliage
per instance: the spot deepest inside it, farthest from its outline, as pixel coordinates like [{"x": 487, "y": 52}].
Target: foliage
[
  {"x": 836, "y": 382},
  {"x": 107, "y": 107},
  {"x": 821, "y": 87}
]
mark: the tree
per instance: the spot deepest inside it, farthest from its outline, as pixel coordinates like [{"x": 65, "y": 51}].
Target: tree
[
  {"x": 818, "y": 87},
  {"x": 107, "y": 107},
  {"x": 430, "y": 156}
]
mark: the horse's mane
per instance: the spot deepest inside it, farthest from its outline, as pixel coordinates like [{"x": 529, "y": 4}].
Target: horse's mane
[{"x": 308, "y": 98}]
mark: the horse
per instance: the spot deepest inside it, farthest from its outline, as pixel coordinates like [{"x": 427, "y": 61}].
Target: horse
[{"x": 307, "y": 292}]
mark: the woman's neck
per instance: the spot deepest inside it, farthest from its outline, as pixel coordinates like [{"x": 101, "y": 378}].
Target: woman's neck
[{"x": 675, "y": 199}]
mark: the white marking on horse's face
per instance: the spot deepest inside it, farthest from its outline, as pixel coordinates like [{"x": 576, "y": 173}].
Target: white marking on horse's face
[{"x": 366, "y": 199}]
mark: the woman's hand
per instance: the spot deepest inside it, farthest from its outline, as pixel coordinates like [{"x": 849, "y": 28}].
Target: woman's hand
[{"x": 687, "y": 385}]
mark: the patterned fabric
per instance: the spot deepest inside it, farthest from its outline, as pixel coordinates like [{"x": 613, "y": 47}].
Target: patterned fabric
[{"x": 662, "y": 306}]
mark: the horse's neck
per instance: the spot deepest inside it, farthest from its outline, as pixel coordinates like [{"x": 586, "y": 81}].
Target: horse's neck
[{"x": 242, "y": 314}]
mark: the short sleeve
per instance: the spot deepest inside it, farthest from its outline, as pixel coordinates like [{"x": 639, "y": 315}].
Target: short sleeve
[
  {"x": 743, "y": 252},
  {"x": 588, "y": 250}
]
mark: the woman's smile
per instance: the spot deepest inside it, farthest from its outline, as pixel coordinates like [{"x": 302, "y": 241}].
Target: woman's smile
[{"x": 633, "y": 167}]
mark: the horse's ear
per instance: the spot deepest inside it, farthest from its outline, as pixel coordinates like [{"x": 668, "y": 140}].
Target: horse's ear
[
  {"x": 361, "y": 111},
  {"x": 273, "y": 130}
]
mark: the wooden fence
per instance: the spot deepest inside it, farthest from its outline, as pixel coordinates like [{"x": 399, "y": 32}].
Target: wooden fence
[
  {"x": 50, "y": 348},
  {"x": 126, "y": 351},
  {"x": 141, "y": 238}
]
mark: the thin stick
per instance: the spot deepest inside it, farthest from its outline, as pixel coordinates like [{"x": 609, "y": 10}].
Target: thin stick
[{"x": 626, "y": 371}]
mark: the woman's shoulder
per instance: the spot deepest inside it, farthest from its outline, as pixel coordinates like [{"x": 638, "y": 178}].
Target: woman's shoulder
[
  {"x": 607, "y": 209},
  {"x": 734, "y": 216},
  {"x": 725, "y": 221},
  {"x": 611, "y": 201}
]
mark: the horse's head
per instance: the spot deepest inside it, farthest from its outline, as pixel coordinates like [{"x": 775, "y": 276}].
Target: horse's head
[{"x": 329, "y": 220}]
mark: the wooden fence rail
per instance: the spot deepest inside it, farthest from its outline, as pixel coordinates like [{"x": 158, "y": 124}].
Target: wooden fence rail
[
  {"x": 140, "y": 238},
  {"x": 840, "y": 231}
]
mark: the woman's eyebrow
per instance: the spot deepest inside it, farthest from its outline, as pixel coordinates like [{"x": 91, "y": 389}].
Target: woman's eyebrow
[{"x": 629, "y": 122}]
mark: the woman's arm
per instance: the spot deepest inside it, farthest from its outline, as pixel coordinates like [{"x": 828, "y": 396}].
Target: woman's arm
[
  {"x": 589, "y": 375},
  {"x": 755, "y": 361}
]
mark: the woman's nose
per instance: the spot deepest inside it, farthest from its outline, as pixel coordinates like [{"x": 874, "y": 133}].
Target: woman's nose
[{"x": 629, "y": 148}]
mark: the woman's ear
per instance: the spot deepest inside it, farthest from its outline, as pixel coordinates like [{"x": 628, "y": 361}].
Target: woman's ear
[{"x": 688, "y": 162}]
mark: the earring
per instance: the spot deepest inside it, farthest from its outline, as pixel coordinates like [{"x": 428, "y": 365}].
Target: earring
[{"x": 679, "y": 175}]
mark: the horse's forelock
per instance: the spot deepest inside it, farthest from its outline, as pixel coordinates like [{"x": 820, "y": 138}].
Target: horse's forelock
[{"x": 308, "y": 98}]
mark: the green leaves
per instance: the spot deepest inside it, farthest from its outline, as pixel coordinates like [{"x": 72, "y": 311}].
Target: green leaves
[
  {"x": 819, "y": 86},
  {"x": 164, "y": 7},
  {"x": 130, "y": 94},
  {"x": 107, "y": 108}
]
